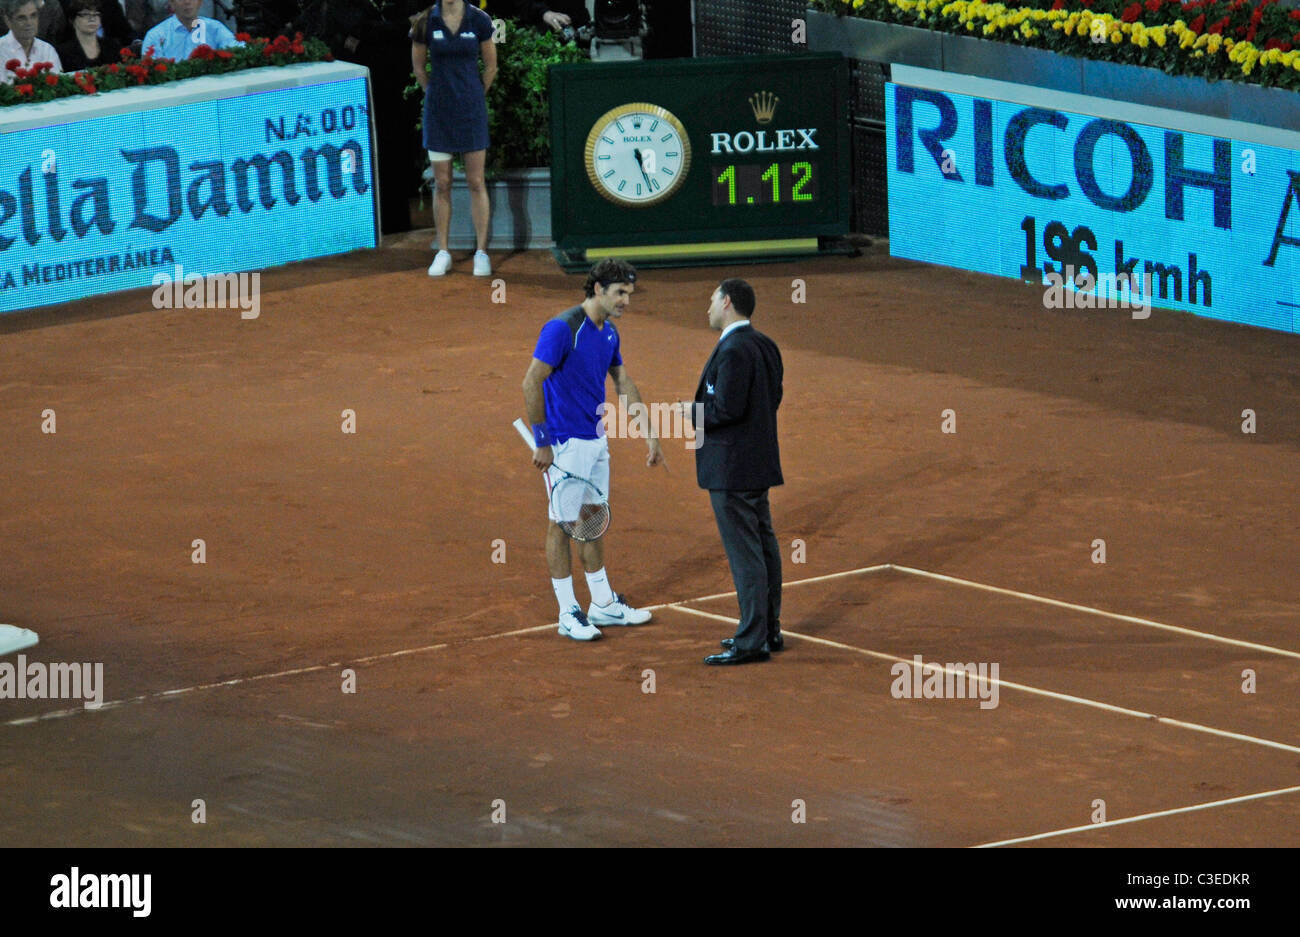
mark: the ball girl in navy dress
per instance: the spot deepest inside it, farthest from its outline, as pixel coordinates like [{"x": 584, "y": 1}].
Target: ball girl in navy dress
[{"x": 451, "y": 36}]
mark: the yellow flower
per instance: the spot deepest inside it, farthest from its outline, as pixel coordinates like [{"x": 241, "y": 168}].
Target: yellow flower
[
  {"x": 1215, "y": 43},
  {"x": 1157, "y": 35},
  {"x": 1116, "y": 37}
]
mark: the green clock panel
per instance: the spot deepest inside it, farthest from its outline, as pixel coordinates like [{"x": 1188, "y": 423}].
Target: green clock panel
[{"x": 691, "y": 151}]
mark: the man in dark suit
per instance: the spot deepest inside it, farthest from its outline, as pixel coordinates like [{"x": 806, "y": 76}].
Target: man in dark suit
[{"x": 738, "y": 460}]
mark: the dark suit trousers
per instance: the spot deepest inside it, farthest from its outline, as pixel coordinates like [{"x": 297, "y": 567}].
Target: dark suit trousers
[{"x": 745, "y": 523}]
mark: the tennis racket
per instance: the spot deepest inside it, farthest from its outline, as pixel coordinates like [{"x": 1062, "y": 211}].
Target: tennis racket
[{"x": 581, "y": 507}]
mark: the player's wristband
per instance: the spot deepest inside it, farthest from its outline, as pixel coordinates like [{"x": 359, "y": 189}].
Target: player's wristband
[{"x": 540, "y": 435}]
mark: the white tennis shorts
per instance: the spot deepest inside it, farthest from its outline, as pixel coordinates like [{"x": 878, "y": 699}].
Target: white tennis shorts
[
  {"x": 436, "y": 156},
  {"x": 585, "y": 458}
]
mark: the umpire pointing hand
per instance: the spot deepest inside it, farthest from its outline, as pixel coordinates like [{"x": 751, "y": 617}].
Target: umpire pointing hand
[{"x": 738, "y": 461}]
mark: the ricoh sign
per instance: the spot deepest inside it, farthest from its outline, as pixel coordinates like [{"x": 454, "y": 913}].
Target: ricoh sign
[
  {"x": 1206, "y": 223},
  {"x": 109, "y": 201}
]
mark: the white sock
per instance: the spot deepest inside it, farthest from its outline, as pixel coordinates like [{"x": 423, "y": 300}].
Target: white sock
[
  {"x": 564, "y": 593},
  {"x": 601, "y": 594}
]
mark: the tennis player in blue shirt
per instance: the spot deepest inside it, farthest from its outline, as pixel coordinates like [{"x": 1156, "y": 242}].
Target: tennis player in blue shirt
[
  {"x": 178, "y": 36},
  {"x": 564, "y": 391}
]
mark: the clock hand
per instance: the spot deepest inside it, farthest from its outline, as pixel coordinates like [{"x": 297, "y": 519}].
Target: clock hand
[{"x": 637, "y": 154}]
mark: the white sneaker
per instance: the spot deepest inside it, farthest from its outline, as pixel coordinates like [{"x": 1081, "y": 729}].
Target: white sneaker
[
  {"x": 482, "y": 266},
  {"x": 617, "y": 612},
  {"x": 574, "y": 624},
  {"x": 441, "y": 264}
]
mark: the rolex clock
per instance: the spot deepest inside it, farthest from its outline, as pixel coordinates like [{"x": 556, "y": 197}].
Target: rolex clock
[
  {"x": 699, "y": 158},
  {"x": 637, "y": 154}
]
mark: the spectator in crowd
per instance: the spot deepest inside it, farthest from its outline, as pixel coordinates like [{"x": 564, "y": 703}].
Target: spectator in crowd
[
  {"x": 54, "y": 25},
  {"x": 178, "y": 36},
  {"x": 86, "y": 48},
  {"x": 119, "y": 19},
  {"x": 155, "y": 11},
  {"x": 554, "y": 15},
  {"x": 23, "y": 17}
]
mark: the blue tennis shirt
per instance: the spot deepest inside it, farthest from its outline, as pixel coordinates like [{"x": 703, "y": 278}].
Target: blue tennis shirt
[{"x": 580, "y": 355}]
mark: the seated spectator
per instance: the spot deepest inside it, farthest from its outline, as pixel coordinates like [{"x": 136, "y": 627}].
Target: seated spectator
[
  {"x": 155, "y": 11},
  {"x": 54, "y": 25},
  {"x": 86, "y": 49},
  {"x": 23, "y": 18},
  {"x": 116, "y": 19},
  {"x": 178, "y": 36},
  {"x": 554, "y": 15}
]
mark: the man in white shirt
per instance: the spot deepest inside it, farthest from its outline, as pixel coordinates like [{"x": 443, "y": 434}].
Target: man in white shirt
[
  {"x": 178, "y": 36},
  {"x": 23, "y": 18}
]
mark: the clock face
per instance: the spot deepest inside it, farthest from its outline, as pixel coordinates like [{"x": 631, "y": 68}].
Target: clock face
[{"x": 637, "y": 155}]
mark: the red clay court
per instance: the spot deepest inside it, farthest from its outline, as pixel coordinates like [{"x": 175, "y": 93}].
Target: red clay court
[{"x": 1120, "y": 682}]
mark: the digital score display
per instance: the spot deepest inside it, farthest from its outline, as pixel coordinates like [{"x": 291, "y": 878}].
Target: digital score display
[
  {"x": 1131, "y": 211},
  {"x": 771, "y": 184},
  {"x": 699, "y": 151}
]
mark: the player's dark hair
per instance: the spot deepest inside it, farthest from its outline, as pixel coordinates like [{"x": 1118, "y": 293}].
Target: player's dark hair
[
  {"x": 609, "y": 271},
  {"x": 741, "y": 295}
]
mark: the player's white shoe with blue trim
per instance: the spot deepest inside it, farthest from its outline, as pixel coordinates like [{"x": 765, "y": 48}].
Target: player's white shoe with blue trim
[
  {"x": 617, "y": 612},
  {"x": 574, "y": 624},
  {"x": 482, "y": 265}
]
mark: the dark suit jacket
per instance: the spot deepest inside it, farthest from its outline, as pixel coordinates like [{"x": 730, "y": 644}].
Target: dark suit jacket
[{"x": 740, "y": 390}]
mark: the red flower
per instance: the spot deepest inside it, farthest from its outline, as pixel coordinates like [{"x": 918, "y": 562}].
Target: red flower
[
  {"x": 204, "y": 52},
  {"x": 223, "y": 54},
  {"x": 1197, "y": 24},
  {"x": 243, "y": 37},
  {"x": 1217, "y": 27},
  {"x": 1285, "y": 47},
  {"x": 114, "y": 68},
  {"x": 1294, "y": 14},
  {"x": 13, "y": 65},
  {"x": 160, "y": 67},
  {"x": 1087, "y": 3},
  {"x": 25, "y": 89},
  {"x": 51, "y": 80},
  {"x": 1131, "y": 13},
  {"x": 1058, "y": 4},
  {"x": 1153, "y": 5},
  {"x": 125, "y": 52},
  {"x": 298, "y": 48}
]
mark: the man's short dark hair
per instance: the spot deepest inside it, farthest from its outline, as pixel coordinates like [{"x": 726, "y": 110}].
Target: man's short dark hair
[
  {"x": 741, "y": 295},
  {"x": 609, "y": 271}
]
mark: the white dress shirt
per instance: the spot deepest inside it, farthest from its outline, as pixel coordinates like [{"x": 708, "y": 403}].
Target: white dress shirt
[{"x": 11, "y": 49}]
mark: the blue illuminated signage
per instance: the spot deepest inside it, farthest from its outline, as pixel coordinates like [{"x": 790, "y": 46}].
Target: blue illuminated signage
[
  {"x": 212, "y": 186},
  {"x": 1210, "y": 224}
]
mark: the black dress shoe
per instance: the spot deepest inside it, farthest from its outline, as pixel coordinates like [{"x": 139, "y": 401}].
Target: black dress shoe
[
  {"x": 733, "y": 656},
  {"x": 773, "y": 644}
]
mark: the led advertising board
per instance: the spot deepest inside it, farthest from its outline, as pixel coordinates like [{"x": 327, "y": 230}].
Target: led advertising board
[
  {"x": 106, "y": 202},
  {"x": 1208, "y": 223}
]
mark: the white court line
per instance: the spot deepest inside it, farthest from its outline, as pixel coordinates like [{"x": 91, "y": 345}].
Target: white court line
[
  {"x": 1146, "y": 622},
  {"x": 1144, "y": 816},
  {"x": 1052, "y": 694},
  {"x": 785, "y": 585}
]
